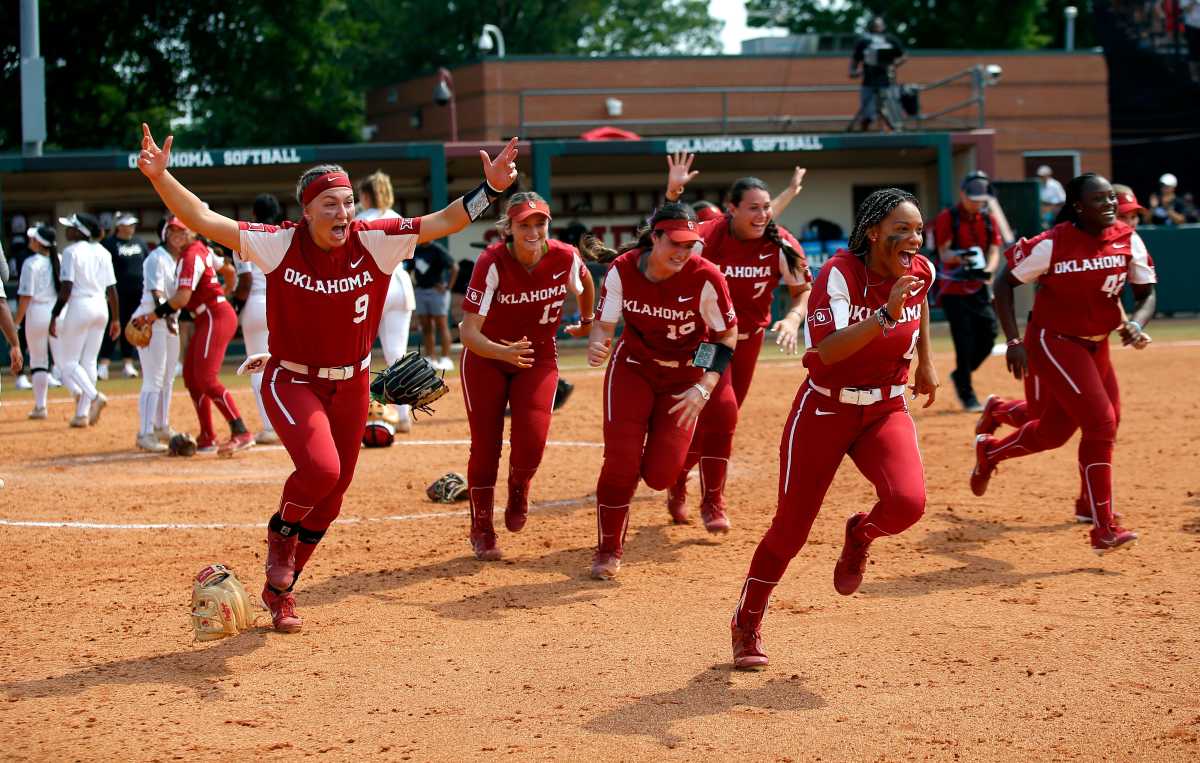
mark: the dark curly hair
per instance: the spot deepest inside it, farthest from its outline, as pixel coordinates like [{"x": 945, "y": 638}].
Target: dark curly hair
[{"x": 872, "y": 211}]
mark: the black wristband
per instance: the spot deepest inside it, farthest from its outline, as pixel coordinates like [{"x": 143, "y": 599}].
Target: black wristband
[
  {"x": 163, "y": 309},
  {"x": 712, "y": 357},
  {"x": 887, "y": 316},
  {"x": 478, "y": 199}
]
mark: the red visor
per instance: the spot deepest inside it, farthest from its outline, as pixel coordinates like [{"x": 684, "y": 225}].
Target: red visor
[
  {"x": 323, "y": 184},
  {"x": 679, "y": 231},
  {"x": 518, "y": 212},
  {"x": 1127, "y": 202},
  {"x": 175, "y": 222}
]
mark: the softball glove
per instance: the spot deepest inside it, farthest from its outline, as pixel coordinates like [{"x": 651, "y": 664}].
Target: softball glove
[
  {"x": 411, "y": 380},
  {"x": 220, "y": 606}
]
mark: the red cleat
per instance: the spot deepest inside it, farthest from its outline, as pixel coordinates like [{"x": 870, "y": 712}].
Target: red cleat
[
  {"x": 982, "y": 473},
  {"x": 281, "y": 560},
  {"x": 987, "y": 424},
  {"x": 1114, "y": 539},
  {"x": 242, "y": 441},
  {"x": 1083, "y": 512},
  {"x": 677, "y": 503},
  {"x": 605, "y": 566},
  {"x": 848, "y": 572},
  {"x": 516, "y": 511},
  {"x": 283, "y": 610},
  {"x": 715, "y": 520},
  {"x": 747, "y": 648},
  {"x": 485, "y": 548}
]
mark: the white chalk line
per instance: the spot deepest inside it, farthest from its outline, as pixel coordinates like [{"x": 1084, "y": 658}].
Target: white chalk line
[{"x": 75, "y": 525}]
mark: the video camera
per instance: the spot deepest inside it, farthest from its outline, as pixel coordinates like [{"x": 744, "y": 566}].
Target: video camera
[{"x": 972, "y": 268}]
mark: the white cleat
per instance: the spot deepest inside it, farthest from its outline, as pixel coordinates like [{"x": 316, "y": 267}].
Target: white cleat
[
  {"x": 266, "y": 437},
  {"x": 23, "y": 382},
  {"x": 148, "y": 442},
  {"x": 97, "y": 405},
  {"x": 130, "y": 371},
  {"x": 38, "y": 413}
]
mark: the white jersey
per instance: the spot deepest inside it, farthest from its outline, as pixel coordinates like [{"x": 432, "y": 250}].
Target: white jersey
[
  {"x": 158, "y": 274},
  {"x": 258, "y": 279},
  {"x": 88, "y": 266},
  {"x": 37, "y": 280},
  {"x": 400, "y": 290}
]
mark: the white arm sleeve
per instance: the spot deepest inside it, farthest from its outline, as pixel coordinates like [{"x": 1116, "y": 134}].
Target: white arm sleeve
[
  {"x": 710, "y": 308},
  {"x": 613, "y": 297},
  {"x": 490, "y": 283},
  {"x": 574, "y": 279},
  {"x": 25, "y": 284},
  {"x": 1140, "y": 269},
  {"x": 1036, "y": 263},
  {"x": 839, "y": 299},
  {"x": 266, "y": 248}
]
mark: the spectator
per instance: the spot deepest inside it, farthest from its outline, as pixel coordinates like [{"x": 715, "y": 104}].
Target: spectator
[
  {"x": 1051, "y": 194},
  {"x": 1165, "y": 207},
  {"x": 1129, "y": 211},
  {"x": 876, "y": 57},
  {"x": 1191, "y": 30},
  {"x": 433, "y": 273},
  {"x": 967, "y": 237},
  {"x": 128, "y": 255},
  {"x": 1188, "y": 207}
]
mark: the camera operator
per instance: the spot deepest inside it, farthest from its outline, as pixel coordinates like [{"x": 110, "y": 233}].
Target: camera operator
[
  {"x": 967, "y": 237},
  {"x": 877, "y": 55}
]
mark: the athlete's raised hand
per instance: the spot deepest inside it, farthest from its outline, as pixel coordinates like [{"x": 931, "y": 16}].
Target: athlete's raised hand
[
  {"x": 797, "y": 184},
  {"x": 679, "y": 173},
  {"x": 501, "y": 171},
  {"x": 901, "y": 291},
  {"x": 152, "y": 161}
]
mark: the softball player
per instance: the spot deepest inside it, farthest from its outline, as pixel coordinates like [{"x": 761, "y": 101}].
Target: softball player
[
  {"x": 158, "y": 359},
  {"x": 327, "y": 280},
  {"x": 87, "y": 279},
  {"x": 754, "y": 254},
  {"x": 512, "y": 311},
  {"x": 868, "y": 316},
  {"x": 252, "y": 293},
  {"x": 9, "y": 330},
  {"x": 657, "y": 383},
  {"x": 376, "y": 198},
  {"x": 1081, "y": 266},
  {"x": 37, "y": 291}
]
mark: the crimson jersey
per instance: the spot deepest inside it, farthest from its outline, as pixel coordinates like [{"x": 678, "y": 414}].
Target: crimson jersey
[
  {"x": 516, "y": 302},
  {"x": 846, "y": 293},
  {"x": 1080, "y": 276},
  {"x": 752, "y": 269},
  {"x": 196, "y": 271},
  {"x": 666, "y": 320},
  {"x": 324, "y": 307}
]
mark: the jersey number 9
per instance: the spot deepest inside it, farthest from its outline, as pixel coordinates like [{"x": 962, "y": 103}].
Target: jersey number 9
[{"x": 360, "y": 308}]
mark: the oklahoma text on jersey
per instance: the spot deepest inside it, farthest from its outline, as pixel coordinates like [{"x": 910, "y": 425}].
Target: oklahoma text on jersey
[{"x": 336, "y": 286}]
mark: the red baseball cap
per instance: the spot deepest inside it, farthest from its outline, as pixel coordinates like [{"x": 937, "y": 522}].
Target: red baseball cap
[
  {"x": 518, "y": 212},
  {"x": 1127, "y": 202},
  {"x": 706, "y": 213},
  {"x": 679, "y": 231},
  {"x": 174, "y": 222}
]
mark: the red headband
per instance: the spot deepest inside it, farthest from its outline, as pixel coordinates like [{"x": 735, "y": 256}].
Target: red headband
[{"x": 323, "y": 184}]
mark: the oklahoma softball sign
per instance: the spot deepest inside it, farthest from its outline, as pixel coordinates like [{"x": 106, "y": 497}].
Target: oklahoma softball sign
[
  {"x": 233, "y": 157},
  {"x": 765, "y": 143}
]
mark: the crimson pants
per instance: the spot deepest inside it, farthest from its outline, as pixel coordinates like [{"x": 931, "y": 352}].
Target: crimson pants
[
  {"x": 881, "y": 439},
  {"x": 641, "y": 439},
  {"x": 490, "y": 385},
  {"x": 1080, "y": 392},
  {"x": 321, "y": 424},
  {"x": 713, "y": 442},
  {"x": 202, "y": 366}
]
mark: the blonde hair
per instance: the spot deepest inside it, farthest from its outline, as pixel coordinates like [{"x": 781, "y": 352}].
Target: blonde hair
[
  {"x": 504, "y": 225},
  {"x": 379, "y": 186}
]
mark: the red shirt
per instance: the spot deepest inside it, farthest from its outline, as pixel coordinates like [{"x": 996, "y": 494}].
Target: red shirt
[
  {"x": 323, "y": 308},
  {"x": 516, "y": 302},
  {"x": 846, "y": 293},
  {"x": 1080, "y": 276},
  {"x": 195, "y": 270},
  {"x": 752, "y": 268},
  {"x": 972, "y": 231},
  {"x": 666, "y": 320}
]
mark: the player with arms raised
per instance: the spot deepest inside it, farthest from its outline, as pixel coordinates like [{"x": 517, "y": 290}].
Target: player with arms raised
[{"x": 327, "y": 280}]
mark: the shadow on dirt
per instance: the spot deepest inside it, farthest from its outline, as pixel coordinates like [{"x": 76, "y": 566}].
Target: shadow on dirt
[
  {"x": 716, "y": 691},
  {"x": 961, "y": 542},
  {"x": 199, "y": 668}
]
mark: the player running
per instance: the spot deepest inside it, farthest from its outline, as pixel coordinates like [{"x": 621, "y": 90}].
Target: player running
[
  {"x": 868, "y": 317},
  {"x": 36, "y": 292},
  {"x": 754, "y": 254},
  {"x": 1081, "y": 266},
  {"x": 680, "y": 334},
  {"x": 327, "y": 279},
  {"x": 511, "y": 315}
]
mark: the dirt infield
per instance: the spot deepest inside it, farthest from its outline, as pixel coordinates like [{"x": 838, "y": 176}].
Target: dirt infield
[{"x": 988, "y": 631}]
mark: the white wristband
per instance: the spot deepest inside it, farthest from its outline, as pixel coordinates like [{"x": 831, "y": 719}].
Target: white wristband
[{"x": 703, "y": 392}]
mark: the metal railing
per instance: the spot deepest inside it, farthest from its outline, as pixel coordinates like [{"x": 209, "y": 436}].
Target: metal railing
[{"x": 947, "y": 117}]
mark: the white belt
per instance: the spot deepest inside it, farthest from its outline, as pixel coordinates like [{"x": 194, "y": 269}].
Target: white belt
[
  {"x": 204, "y": 308},
  {"x": 856, "y": 396},
  {"x": 336, "y": 373}
]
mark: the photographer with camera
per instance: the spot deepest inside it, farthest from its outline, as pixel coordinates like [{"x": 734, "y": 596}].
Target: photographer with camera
[
  {"x": 877, "y": 55},
  {"x": 967, "y": 237}
]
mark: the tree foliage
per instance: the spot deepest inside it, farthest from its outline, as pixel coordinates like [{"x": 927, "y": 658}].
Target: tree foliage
[
  {"x": 949, "y": 24},
  {"x": 263, "y": 72}
]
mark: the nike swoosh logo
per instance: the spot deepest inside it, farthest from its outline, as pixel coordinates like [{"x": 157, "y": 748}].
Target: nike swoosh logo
[
  {"x": 766, "y": 256},
  {"x": 560, "y": 275},
  {"x": 820, "y": 412},
  {"x": 686, "y": 299},
  {"x": 1118, "y": 246},
  {"x": 357, "y": 262}
]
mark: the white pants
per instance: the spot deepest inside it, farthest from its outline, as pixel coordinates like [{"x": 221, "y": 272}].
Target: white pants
[
  {"x": 393, "y": 330},
  {"x": 79, "y": 336},
  {"x": 158, "y": 378},
  {"x": 254, "y": 333},
  {"x": 41, "y": 344}
]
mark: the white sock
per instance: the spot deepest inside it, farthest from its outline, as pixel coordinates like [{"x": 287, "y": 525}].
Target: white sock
[{"x": 41, "y": 383}]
